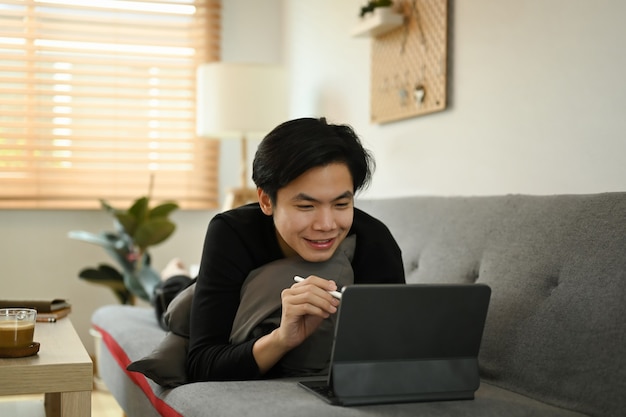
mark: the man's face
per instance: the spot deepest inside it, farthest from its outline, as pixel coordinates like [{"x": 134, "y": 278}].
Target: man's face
[{"x": 314, "y": 212}]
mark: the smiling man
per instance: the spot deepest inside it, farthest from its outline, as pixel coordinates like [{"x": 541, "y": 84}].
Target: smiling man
[{"x": 307, "y": 173}]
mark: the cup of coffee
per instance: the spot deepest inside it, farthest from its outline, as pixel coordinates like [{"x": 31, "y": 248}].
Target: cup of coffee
[{"x": 17, "y": 327}]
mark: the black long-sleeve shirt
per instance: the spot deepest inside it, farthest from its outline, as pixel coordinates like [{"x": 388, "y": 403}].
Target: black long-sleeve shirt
[{"x": 239, "y": 241}]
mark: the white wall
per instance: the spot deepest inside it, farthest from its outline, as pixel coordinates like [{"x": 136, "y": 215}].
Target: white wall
[
  {"x": 536, "y": 97},
  {"x": 252, "y": 32}
]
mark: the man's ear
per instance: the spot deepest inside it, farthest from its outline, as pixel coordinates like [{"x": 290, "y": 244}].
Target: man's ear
[{"x": 265, "y": 202}]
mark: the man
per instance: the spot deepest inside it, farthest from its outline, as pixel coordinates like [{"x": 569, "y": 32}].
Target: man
[{"x": 307, "y": 173}]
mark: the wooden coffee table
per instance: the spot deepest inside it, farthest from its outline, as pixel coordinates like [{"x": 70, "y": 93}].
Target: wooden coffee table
[{"x": 62, "y": 370}]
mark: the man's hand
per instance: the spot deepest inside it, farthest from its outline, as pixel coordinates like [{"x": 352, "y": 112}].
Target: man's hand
[{"x": 304, "y": 306}]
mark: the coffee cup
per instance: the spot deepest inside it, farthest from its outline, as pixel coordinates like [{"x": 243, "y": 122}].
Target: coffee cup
[{"x": 17, "y": 327}]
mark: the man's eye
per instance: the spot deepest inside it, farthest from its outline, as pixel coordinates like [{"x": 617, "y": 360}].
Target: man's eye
[{"x": 304, "y": 206}]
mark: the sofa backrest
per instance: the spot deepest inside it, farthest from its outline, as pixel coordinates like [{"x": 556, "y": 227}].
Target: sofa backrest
[{"x": 556, "y": 328}]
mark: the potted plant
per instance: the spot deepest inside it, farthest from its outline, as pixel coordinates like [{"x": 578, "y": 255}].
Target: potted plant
[
  {"x": 377, "y": 18},
  {"x": 136, "y": 229},
  {"x": 373, "y": 5}
]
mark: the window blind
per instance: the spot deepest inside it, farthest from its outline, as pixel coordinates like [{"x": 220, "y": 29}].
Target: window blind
[{"x": 97, "y": 97}]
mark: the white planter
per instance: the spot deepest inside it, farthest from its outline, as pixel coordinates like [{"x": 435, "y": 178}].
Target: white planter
[{"x": 379, "y": 22}]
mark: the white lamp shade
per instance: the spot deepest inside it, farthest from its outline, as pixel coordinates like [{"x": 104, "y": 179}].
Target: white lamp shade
[{"x": 235, "y": 99}]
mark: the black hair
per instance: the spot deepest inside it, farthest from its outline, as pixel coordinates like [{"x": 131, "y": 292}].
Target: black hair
[{"x": 298, "y": 145}]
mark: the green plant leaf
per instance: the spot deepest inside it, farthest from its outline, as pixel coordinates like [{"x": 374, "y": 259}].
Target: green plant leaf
[
  {"x": 139, "y": 209},
  {"x": 109, "y": 277},
  {"x": 106, "y": 206},
  {"x": 149, "y": 279},
  {"x": 104, "y": 273},
  {"x": 143, "y": 280},
  {"x": 128, "y": 221},
  {"x": 152, "y": 232},
  {"x": 101, "y": 239},
  {"x": 163, "y": 210},
  {"x": 116, "y": 246},
  {"x": 134, "y": 286}
]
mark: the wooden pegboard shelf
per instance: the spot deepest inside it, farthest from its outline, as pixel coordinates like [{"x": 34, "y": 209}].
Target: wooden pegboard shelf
[{"x": 409, "y": 63}]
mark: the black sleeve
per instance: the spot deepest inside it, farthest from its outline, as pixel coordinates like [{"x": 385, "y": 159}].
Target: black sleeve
[{"x": 224, "y": 266}]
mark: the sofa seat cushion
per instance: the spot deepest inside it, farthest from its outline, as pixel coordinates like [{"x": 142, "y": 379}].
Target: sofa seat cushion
[{"x": 130, "y": 333}]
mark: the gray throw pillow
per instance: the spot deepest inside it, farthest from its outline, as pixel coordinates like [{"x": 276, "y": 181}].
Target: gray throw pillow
[{"x": 166, "y": 364}]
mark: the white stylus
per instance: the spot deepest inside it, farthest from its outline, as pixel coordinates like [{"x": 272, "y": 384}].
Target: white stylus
[{"x": 335, "y": 294}]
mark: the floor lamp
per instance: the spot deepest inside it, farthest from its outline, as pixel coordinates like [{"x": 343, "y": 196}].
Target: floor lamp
[{"x": 237, "y": 100}]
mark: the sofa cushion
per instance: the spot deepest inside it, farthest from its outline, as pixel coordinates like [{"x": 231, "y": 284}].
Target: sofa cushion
[{"x": 166, "y": 364}]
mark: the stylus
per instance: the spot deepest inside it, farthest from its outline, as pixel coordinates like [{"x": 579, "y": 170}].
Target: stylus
[{"x": 335, "y": 294}]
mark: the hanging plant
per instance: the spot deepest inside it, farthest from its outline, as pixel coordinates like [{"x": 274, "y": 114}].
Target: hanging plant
[{"x": 373, "y": 5}]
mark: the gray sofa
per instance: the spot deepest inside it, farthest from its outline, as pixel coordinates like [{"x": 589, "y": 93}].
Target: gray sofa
[{"x": 554, "y": 342}]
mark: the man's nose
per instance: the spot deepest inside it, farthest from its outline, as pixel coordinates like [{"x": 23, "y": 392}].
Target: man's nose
[{"x": 324, "y": 220}]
